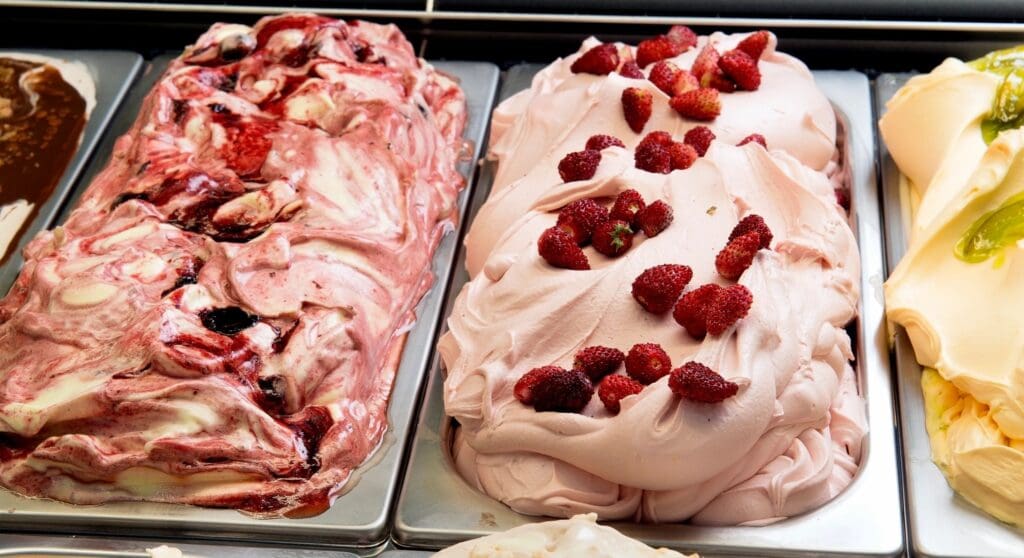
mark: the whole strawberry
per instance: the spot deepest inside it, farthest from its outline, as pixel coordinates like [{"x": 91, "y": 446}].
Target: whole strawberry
[
  {"x": 597, "y": 361},
  {"x": 603, "y": 141},
  {"x": 691, "y": 310},
  {"x": 559, "y": 249},
  {"x": 699, "y": 104},
  {"x": 737, "y": 255},
  {"x": 741, "y": 69},
  {"x": 671, "y": 80},
  {"x": 580, "y": 218},
  {"x": 683, "y": 37},
  {"x": 637, "y": 104},
  {"x": 600, "y": 60},
  {"x": 658, "y": 288},
  {"x": 647, "y": 362},
  {"x": 579, "y": 165},
  {"x": 700, "y": 137},
  {"x": 754, "y": 138},
  {"x": 730, "y": 306},
  {"x": 615, "y": 388},
  {"x": 613, "y": 238},
  {"x": 705, "y": 69},
  {"x": 652, "y": 157},
  {"x": 654, "y": 218},
  {"x": 551, "y": 388},
  {"x": 753, "y": 223},
  {"x": 658, "y": 48},
  {"x": 754, "y": 44},
  {"x": 697, "y": 382},
  {"x": 631, "y": 70},
  {"x": 658, "y": 137},
  {"x": 682, "y": 156},
  {"x": 627, "y": 205}
]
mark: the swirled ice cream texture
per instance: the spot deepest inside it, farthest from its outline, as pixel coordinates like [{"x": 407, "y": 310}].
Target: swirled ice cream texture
[
  {"x": 962, "y": 318},
  {"x": 220, "y": 319},
  {"x": 578, "y": 537},
  {"x": 787, "y": 443}
]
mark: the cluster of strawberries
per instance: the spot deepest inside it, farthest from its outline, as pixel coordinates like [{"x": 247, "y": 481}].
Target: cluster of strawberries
[
  {"x": 708, "y": 310},
  {"x": 711, "y": 308},
  {"x": 587, "y": 221},
  {"x": 693, "y": 93},
  {"x": 657, "y": 152},
  {"x": 553, "y": 388}
]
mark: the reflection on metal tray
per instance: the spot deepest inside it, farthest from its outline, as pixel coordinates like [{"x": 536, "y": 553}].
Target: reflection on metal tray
[
  {"x": 942, "y": 524},
  {"x": 113, "y": 73},
  {"x": 31, "y": 546},
  {"x": 437, "y": 508},
  {"x": 359, "y": 519}
]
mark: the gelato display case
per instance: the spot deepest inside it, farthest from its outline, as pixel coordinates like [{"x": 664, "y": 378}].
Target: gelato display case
[{"x": 284, "y": 218}]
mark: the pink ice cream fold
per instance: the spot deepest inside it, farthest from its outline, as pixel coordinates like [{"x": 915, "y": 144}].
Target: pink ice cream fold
[{"x": 789, "y": 440}]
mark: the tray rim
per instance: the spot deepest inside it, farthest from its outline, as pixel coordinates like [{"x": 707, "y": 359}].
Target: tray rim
[
  {"x": 929, "y": 498},
  {"x": 879, "y": 459},
  {"x": 376, "y": 481},
  {"x": 429, "y": 13}
]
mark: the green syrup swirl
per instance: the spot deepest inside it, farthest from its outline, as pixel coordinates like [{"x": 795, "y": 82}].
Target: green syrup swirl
[
  {"x": 993, "y": 232},
  {"x": 1008, "y": 106}
]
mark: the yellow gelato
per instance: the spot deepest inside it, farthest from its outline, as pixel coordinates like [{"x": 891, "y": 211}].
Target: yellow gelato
[{"x": 954, "y": 133}]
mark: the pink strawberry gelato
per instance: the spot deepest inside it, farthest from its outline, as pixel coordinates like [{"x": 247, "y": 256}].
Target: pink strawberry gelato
[
  {"x": 790, "y": 440},
  {"x": 220, "y": 319}
]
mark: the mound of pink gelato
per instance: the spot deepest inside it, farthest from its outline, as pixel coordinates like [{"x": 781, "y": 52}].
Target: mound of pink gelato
[
  {"x": 219, "y": 321},
  {"x": 790, "y": 439}
]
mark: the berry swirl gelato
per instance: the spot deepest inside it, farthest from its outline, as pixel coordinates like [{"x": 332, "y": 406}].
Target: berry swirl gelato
[
  {"x": 739, "y": 404},
  {"x": 219, "y": 321}
]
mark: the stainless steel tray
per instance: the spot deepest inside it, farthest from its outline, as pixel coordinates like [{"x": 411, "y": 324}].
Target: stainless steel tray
[
  {"x": 359, "y": 519},
  {"x": 941, "y": 523},
  {"x": 113, "y": 72},
  {"x": 437, "y": 508},
  {"x": 32, "y": 546}
]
